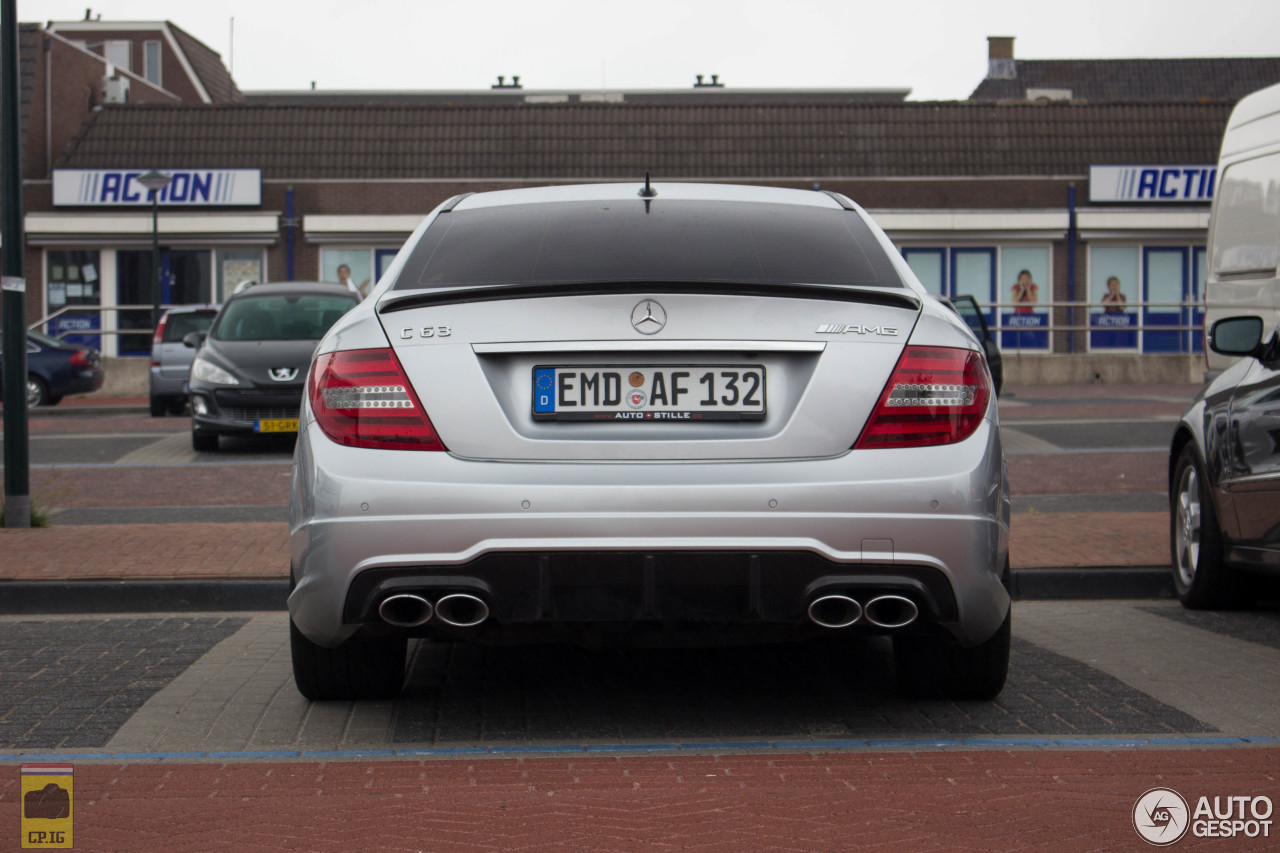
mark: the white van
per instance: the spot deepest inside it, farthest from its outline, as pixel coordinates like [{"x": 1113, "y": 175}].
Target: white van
[{"x": 1244, "y": 230}]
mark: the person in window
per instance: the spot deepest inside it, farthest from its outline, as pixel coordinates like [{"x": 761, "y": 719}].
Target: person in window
[
  {"x": 1113, "y": 300},
  {"x": 344, "y": 278},
  {"x": 1025, "y": 291}
]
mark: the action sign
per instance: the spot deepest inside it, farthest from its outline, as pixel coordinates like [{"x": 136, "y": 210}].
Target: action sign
[
  {"x": 1160, "y": 184},
  {"x": 46, "y": 806},
  {"x": 189, "y": 188}
]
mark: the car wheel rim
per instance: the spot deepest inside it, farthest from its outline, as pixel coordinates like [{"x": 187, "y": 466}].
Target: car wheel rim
[
  {"x": 1187, "y": 527},
  {"x": 33, "y": 393}
]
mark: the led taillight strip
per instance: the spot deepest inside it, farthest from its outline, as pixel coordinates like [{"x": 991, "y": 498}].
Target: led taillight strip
[
  {"x": 936, "y": 395},
  {"x": 362, "y": 398}
]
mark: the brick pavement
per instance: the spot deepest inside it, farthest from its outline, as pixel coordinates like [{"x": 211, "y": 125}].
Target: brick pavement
[
  {"x": 258, "y": 549},
  {"x": 248, "y": 550},
  {"x": 923, "y": 801},
  {"x": 151, "y": 551}
]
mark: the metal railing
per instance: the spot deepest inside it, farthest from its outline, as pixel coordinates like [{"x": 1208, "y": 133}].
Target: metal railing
[
  {"x": 72, "y": 310},
  {"x": 1137, "y": 323}
]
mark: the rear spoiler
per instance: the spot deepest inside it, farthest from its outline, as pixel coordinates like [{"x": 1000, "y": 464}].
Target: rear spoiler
[{"x": 832, "y": 293}]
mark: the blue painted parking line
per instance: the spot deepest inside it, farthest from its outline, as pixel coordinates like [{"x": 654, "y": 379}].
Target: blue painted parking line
[
  {"x": 1006, "y": 741},
  {"x": 819, "y": 744},
  {"x": 444, "y": 750},
  {"x": 688, "y": 746},
  {"x": 58, "y": 756},
  {"x": 500, "y": 750},
  {"x": 1191, "y": 741}
]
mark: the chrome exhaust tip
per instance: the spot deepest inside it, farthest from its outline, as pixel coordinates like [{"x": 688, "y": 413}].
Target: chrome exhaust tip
[
  {"x": 891, "y": 611},
  {"x": 405, "y": 610},
  {"x": 834, "y": 611},
  {"x": 461, "y": 610}
]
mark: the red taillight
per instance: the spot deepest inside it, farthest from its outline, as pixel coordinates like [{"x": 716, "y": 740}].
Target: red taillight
[
  {"x": 936, "y": 395},
  {"x": 361, "y": 398},
  {"x": 80, "y": 358},
  {"x": 159, "y": 336}
]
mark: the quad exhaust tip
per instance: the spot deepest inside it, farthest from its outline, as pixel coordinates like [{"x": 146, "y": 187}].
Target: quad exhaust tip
[
  {"x": 461, "y": 610},
  {"x": 405, "y": 610},
  {"x": 834, "y": 611},
  {"x": 891, "y": 611}
]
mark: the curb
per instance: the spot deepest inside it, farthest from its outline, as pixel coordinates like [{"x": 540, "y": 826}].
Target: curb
[
  {"x": 28, "y": 598},
  {"x": 86, "y": 411},
  {"x": 1090, "y": 583}
]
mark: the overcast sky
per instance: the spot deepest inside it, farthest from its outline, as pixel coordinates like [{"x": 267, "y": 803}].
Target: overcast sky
[{"x": 936, "y": 48}]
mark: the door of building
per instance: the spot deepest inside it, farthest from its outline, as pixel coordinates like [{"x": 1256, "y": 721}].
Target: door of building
[{"x": 185, "y": 279}]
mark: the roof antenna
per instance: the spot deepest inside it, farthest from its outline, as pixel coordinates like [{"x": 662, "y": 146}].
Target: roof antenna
[{"x": 648, "y": 191}]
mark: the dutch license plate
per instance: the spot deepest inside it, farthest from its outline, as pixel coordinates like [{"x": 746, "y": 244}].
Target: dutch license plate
[
  {"x": 276, "y": 425},
  {"x": 686, "y": 392}
]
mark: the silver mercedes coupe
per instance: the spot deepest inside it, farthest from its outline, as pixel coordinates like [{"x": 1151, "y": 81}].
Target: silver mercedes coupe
[{"x": 649, "y": 413}]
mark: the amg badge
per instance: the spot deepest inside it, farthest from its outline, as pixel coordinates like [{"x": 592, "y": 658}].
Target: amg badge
[{"x": 855, "y": 329}]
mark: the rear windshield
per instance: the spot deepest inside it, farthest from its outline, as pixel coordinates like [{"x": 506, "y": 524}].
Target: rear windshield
[
  {"x": 667, "y": 241},
  {"x": 178, "y": 326},
  {"x": 291, "y": 317}
]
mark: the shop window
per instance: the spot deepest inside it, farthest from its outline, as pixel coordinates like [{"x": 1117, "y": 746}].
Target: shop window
[
  {"x": 352, "y": 267},
  {"x": 929, "y": 265},
  {"x": 1024, "y": 281},
  {"x": 973, "y": 273},
  {"x": 73, "y": 281},
  {"x": 1195, "y": 336},
  {"x": 234, "y": 267},
  {"x": 1165, "y": 292},
  {"x": 1113, "y": 282}
]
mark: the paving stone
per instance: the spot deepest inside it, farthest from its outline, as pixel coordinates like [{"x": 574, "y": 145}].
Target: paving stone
[
  {"x": 1256, "y": 627},
  {"x": 78, "y": 680}
]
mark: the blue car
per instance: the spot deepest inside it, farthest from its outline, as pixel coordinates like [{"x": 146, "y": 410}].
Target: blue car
[{"x": 56, "y": 368}]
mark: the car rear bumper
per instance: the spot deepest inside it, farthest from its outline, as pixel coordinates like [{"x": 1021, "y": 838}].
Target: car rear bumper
[
  {"x": 167, "y": 386},
  {"x": 724, "y": 542}
]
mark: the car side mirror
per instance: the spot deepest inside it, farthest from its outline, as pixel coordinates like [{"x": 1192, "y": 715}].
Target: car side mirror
[{"x": 192, "y": 340}]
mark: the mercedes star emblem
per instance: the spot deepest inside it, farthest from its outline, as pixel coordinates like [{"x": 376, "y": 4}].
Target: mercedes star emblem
[{"x": 648, "y": 317}]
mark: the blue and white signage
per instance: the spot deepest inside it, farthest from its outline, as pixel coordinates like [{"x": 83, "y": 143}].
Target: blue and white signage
[
  {"x": 1161, "y": 184},
  {"x": 189, "y": 188}
]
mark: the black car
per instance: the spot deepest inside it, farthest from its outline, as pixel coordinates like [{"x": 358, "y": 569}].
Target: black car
[
  {"x": 247, "y": 376},
  {"x": 56, "y": 368},
  {"x": 1224, "y": 472}
]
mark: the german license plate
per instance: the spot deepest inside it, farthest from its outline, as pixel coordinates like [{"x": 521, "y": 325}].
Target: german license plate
[
  {"x": 686, "y": 392},
  {"x": 276, "y": 425}
]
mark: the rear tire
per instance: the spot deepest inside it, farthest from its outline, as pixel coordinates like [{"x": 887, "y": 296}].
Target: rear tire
[
  {"x": 360, "y": 668},
  {"x": 37, "y": 391},
  {"x": 1200, "y": 575},
  {"x": 204, "y": 442},
  {"x": 159, "y": 407},
  {"x": 932, "y": 665},
  {"x": 178, "y": 406}
]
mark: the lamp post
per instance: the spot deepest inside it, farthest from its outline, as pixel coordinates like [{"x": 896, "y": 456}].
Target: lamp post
[{"x": 155, "y": 182}]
